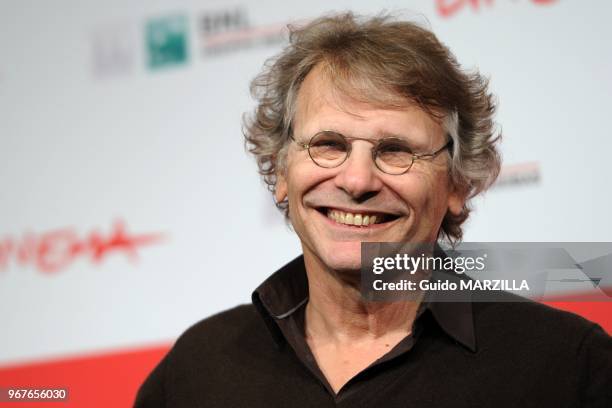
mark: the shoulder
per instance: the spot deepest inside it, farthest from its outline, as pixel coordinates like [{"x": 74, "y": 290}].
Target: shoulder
[
  {"x": 230, "y": 321},
  {"x": 523, "y": 324},
  {"x": 565, "y": 354},
  {"x": 232, "y": 328},
  {"x": 208, "y": 351}
]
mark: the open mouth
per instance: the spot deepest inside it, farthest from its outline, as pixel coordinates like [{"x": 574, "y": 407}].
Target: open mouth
[{"x": 356, "y": 219}]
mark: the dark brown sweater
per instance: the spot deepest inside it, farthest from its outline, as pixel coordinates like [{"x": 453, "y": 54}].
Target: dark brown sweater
[{"x": 502, "y": 354}]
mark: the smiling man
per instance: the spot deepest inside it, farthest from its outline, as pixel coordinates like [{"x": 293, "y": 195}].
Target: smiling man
[{"x": 367, "y": 130}]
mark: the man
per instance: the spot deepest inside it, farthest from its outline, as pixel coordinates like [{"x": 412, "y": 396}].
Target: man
[{"x": 366, "y": 130}]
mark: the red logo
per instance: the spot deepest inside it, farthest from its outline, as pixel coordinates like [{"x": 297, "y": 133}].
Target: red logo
[
  {"x": 448, "y": 8},
  {"x": 55, "y": 250}
]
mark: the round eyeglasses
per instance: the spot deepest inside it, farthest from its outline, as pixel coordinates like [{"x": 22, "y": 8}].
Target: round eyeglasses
[{"x": 391, "y": 155}]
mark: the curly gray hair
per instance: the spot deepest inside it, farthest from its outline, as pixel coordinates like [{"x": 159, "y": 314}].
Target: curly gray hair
[{"x": 386, "y": 62}]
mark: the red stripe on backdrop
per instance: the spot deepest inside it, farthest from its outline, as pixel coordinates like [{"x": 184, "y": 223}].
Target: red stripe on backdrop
[
  {"x": 101, "y": 381},
  {"x": 111, "y": 380},
  {"x": 597, "y": 312}
]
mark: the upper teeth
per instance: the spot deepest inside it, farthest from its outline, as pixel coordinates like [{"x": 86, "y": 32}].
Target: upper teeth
[{"x": 352, "y": 218}]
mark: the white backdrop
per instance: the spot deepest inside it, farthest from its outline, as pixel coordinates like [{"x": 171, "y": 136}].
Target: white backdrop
[{"x": 91, "y": 135}]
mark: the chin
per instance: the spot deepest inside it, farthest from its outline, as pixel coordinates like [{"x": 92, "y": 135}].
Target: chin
[{"x": 343, "y": 256}]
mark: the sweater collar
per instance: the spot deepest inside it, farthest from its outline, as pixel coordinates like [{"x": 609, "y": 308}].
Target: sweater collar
[{"x": 286, "y": 290}]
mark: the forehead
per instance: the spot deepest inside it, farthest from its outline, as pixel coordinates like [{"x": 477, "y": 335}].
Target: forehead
[{"x": 322, "y": 106}]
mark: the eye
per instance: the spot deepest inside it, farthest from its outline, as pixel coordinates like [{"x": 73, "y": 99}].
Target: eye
[
  {"x": 393, "y": 146},
  {"x": 394, "y": 152},
  {"x": 329, "y": 141},
  {"x": 328, "y": 149}
]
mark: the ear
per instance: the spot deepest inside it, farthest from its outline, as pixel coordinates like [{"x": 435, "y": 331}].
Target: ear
[
  {"x": 280, "y": 189},
  {"x": 456, "y": 201}
]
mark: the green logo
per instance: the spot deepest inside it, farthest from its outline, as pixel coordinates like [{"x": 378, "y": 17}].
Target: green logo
[{"x": 166, "y": 41}]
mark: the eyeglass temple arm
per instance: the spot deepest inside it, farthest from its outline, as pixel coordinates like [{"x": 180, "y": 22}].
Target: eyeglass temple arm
[
  {"x": 302, "y": 145},
  {"x": 434, "y": 154}
]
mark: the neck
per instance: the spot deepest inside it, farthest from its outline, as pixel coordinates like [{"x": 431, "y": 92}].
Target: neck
[{"x": 337, "y": 312}]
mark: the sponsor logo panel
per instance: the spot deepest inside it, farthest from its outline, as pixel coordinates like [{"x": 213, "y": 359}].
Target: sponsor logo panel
[
  {"x": 166, "y": 41},
  {"x": 113, "y": 50}
]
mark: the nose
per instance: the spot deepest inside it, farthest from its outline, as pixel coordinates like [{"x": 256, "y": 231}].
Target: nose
[{"x": 358, "y": 175}]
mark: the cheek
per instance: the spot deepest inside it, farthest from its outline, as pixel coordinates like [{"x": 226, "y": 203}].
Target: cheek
[
  {"x": 423, "y": 193},
  {"x": 302, "y": 177}
]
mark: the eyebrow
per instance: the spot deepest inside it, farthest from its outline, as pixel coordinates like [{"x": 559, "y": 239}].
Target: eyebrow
[{"x": 383, "y": 135}]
